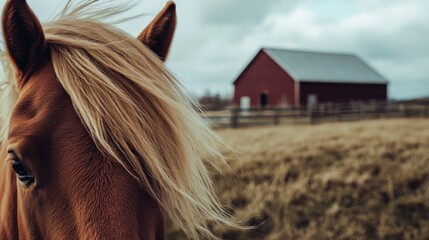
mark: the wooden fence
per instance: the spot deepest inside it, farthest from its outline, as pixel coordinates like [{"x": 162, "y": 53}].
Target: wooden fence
[{"x": 237, "y": 117}]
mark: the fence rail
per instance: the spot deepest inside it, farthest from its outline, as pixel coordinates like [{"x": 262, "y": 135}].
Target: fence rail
[{"x": 237, "y": 117}]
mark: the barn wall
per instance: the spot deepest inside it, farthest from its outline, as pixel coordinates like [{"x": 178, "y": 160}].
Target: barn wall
[
  {"x": 342, "y": 91},
  {"x": 264, "y": 75}
]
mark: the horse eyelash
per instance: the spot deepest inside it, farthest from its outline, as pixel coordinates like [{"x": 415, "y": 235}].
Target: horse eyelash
[{"x": 7, "y": 161}]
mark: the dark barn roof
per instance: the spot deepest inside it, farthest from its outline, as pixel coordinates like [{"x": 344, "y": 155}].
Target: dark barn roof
[{"x": 306, "y": 66}]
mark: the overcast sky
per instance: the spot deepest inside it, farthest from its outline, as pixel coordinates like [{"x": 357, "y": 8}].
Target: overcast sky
[{"x": 215, "y": 39}]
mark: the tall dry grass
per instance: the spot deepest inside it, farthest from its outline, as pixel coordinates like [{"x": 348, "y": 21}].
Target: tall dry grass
[{"x": 359, "y": 180}]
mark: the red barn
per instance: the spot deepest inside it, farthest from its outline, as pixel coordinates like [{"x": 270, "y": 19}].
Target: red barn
[{"x": 278, "y": 77}]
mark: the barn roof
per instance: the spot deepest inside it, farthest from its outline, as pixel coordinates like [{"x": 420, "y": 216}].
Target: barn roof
[{"x": 305, "y": 66}]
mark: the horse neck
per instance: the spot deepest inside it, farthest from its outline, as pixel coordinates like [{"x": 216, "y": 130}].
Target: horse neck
[{"x": 8, "y": 213}]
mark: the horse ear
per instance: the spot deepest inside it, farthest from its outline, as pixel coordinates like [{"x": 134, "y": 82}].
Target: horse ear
[
  {"x": 23, "y": 34},
  {"x": 159, "y": 34}
]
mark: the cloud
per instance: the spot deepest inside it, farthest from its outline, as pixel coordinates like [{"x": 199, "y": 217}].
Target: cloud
[{"x": 242, "y": 12}]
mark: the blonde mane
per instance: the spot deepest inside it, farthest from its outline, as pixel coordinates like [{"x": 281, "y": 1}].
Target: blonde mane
[
  {"x": 8, "y": 96},
  {"x": 136, "y": 112}
]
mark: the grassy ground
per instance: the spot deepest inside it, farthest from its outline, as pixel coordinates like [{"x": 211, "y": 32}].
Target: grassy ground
[{"x": 354, "y": 180}]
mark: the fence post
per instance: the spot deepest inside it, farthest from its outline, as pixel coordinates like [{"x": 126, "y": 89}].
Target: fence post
[
  {"x": 360, "y": 111},
  {"x": 338, "y": 112},
  {"x": 277, "y": 116},
  {"x": 386, "y": 109},
  {"x": 311, "y": 115},
  {"x": 426, "y": 110},
  {"x": 367, "y": 111},
  {"x": 405, "y": 110},
  {"x": 234, "y": 118}
]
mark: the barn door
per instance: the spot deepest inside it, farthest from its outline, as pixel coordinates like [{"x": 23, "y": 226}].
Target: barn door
[
  {"x": 312, "y": 101},
  {"x": 245, "y": 105},
  {"x": 263, "y": 100}
]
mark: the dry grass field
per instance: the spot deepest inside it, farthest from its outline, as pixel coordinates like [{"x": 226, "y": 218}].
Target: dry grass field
[{"x": 353, "y": 180}]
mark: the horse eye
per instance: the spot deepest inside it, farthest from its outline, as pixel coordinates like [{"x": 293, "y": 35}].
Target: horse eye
[
  {"x": 19, "y": 168},
  {"x": 23, "y": 175}
]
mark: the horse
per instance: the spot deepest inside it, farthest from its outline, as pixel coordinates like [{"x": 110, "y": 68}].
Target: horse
[{"x": 100, "y": 141}]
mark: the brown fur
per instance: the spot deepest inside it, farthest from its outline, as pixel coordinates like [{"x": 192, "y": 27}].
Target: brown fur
[
  {"x": 78, "y": 192},
  {"x": 8, "y": 214}
]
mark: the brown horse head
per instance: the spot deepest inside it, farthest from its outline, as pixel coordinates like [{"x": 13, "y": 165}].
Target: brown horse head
[{"x": 72, "y": 174}]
